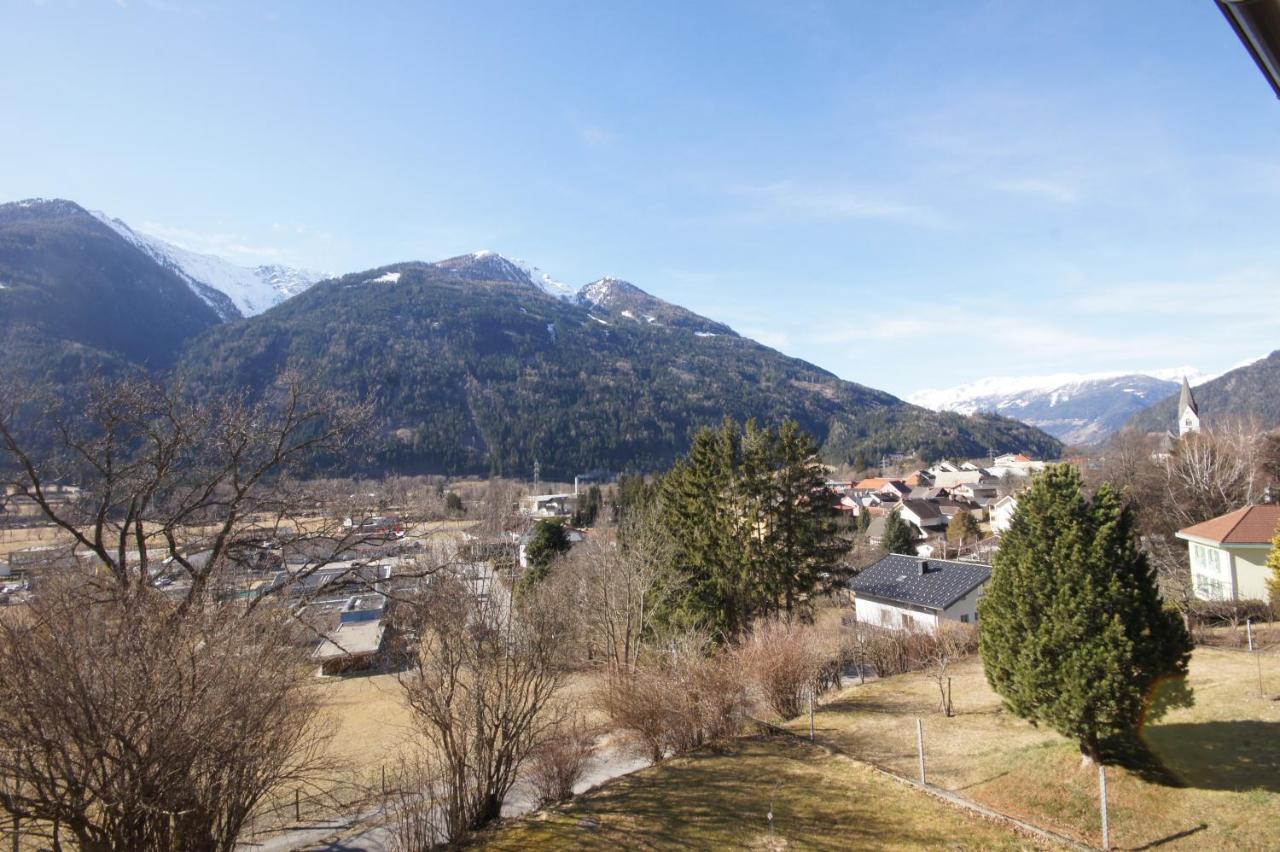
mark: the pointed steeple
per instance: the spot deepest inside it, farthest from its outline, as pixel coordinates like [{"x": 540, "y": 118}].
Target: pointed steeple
[
  {"x": 1186, "y": 400},
  {"x": 1188, "y": 411}
]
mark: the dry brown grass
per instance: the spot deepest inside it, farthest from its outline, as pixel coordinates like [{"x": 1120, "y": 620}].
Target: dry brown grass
[
  {"x": 1224, "y": 751},
  {"x": 720, "y": 798},
  {"x": 370, "y": 720}
]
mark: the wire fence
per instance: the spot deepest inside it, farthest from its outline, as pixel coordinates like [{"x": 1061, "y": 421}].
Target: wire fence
[{"x": 335, "y": 801}]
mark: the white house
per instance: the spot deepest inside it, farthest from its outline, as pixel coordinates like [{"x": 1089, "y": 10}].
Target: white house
[
  {"x": 910, "y": 593},
  {"x": 1002, "y": 513},
  {"x": 1229, "y": 554}
]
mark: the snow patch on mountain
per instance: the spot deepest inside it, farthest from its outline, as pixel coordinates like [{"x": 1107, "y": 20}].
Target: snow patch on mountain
[
  {"x": 968, "y": 398},
  {"x": 233, "y": 291},
  {"x": 385, "y": 278},
  {"x": 1078, "y": 408},
  {"x": 486, "y": 265}
]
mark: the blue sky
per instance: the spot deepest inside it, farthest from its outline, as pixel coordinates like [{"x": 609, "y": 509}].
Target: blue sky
[{"x": 910, "y": 195}]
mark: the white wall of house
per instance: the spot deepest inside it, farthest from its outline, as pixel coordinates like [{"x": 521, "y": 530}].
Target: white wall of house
[
  {"x": 1228, "y": 572},
  {"x": 965, "y": 610},
  {"x": 1002, "y": 514},
  {"x": 882, "y": 614},
  {"x": 893, "y": 617}
]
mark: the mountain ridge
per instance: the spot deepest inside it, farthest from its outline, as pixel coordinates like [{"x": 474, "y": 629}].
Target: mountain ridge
[{"x": 475, "y": 364}]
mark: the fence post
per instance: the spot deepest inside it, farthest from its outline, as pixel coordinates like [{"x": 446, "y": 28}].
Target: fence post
[
  {"x": 1102, "y": 798},
  {"x": 384, "y": 779},
  {"x": 297, "y": 805},
  {"x": 17, "y": 833},
  {"x": 948, "y": 698},
  {"x": 920, "y": 746},
  {"x": 811, "y": 691}
]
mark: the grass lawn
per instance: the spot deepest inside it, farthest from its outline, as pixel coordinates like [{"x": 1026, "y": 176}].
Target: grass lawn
[
  {"x": 720, "y": 798},
  {"x": 1224, "y": 754},
  {"x": 370, "y": 721}
]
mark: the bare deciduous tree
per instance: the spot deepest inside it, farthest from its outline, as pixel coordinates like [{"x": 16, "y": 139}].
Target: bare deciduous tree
[
  {"x": 479, "y": 687},
  {"x": 618, "y": 586},
  {"x": 125, "y": 727},
  {"x": 946, "y": 645},
  {"x": 1214, "y": 472},
  {"x": 172, "y": 486}
]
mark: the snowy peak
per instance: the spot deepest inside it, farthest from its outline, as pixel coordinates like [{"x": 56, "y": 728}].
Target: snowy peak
[
  {"x": 606, "y": 292},
  {"x": 1079, "y": 408},
  {"x": 233, "y": 291},
  {"x": 491, "y": 266}
]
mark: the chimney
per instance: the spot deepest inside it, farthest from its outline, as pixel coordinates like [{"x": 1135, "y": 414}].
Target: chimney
[{"x": 924, "y": 567}]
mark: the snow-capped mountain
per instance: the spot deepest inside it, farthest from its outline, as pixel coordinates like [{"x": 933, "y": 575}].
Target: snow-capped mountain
[
  {"x": 1078, "y": 408},
  {"x": 490, "y": 266},
  {"x": 232, "y": 290},
  {"x": 626, "y": 301}
]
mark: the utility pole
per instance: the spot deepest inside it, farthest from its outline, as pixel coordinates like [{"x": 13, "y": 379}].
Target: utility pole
[
  {"x": 1248, "y": 623},
  {"x": 537, "y": 475},
  {"x": 920, "y": 746},
  {"x": 1102, "y": 798}
]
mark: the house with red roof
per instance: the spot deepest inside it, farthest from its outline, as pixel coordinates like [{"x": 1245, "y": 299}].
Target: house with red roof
[{"x": 1229, "y": 554}]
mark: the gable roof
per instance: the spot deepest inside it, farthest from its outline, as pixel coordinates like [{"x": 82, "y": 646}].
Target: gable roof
[
  {"x": 897, "y": 578},
  {"x": 1250, "y": 525},
  {"x": 923, "y": 509}
]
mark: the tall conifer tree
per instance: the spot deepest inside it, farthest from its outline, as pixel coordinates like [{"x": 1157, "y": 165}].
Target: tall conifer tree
[
  {"x": 897, "y": 535},
  {"x": 1074, "y": 635},
  {"x": 754, "y": 526}
]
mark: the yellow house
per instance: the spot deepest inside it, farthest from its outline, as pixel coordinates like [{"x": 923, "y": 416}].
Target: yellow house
[{"x": 1229, "y": 554}]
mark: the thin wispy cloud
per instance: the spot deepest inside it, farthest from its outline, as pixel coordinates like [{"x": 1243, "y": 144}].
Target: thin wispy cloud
[
  {"x": 791, "y": 200},
  {"x": 1049, "y": 190}
]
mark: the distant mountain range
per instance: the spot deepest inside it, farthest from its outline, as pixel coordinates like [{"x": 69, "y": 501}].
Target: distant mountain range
[
  {"x": 474, "y": 364},
  {"x": 1077, "y": 408},
  {"x": 1247, "y": 393}
]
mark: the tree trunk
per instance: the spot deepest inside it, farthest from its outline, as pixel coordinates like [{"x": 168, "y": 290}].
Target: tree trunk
[{"x": 1090, "y": 751}]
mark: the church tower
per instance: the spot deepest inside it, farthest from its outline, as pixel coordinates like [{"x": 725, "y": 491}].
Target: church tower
[{"x": 1188, "y": 411}]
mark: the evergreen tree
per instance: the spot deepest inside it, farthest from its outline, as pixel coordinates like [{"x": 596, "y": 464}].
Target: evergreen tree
[
  {"x": 588, "y": 508},
  {"x": 548, "y": 541},
  {"x": 701, "y": 510},
  {"x": 1074, "y": 635},
  {"x": 862, "y": 522},
  {"x": 755, "y": 530},
  {"x": 963, "y": 528},
  {"x": 453, "y": 503},
  {"x": 803, "y": 530},
  {"x": 898, "y": 537},
  {"x": 1273, "y": 562}
]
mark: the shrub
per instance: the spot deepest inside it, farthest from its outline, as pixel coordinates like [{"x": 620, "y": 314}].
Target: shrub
[
  {"x": 560, "y": 761},
  {"x": 784, "y": 661},
  {"x": 677, "y": 700}
]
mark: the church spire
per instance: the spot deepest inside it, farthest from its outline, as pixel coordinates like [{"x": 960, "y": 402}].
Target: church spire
[{"x": 1188, "y": 411}]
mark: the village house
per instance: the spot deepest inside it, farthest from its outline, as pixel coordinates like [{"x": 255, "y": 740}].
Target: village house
[
  {"x": 1002, "y": 513},
  {"x": 1229, "y": 554},
  {"x": 356, "y": 640},
  {"x": 924, "y": 514},
  {"x": 889, "y": 490},
  {"x": 875, "y": 530},
  {"x": 910, "y": 593},
  {"x": 549, "y": 505}
]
